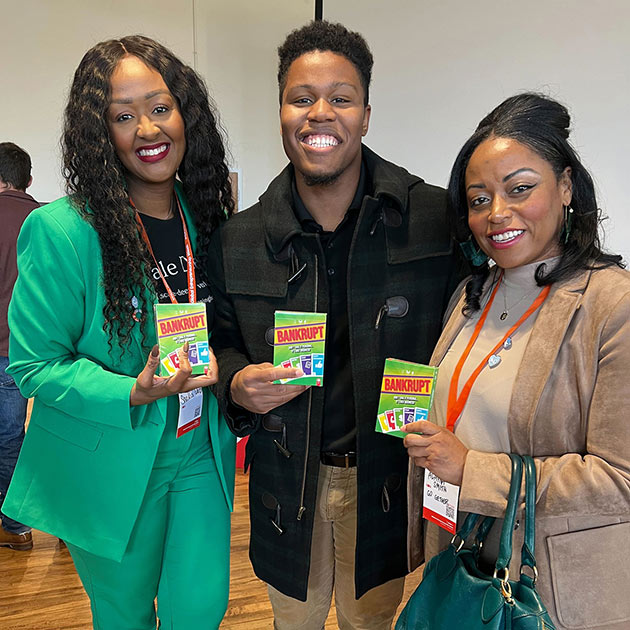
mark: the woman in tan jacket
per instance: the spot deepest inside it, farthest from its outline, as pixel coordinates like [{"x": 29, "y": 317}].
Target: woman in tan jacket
[{"x": 548, "y": 326}]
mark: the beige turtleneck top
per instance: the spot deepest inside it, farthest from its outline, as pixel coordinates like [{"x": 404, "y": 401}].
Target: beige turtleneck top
[{"x": 482, "y": 425}]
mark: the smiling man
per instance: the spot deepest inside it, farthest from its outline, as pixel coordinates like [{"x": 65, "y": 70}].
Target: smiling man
[{"x": 345, "y": 232}]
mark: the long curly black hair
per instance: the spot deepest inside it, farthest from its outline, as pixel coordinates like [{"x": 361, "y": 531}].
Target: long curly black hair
[
  {"x": 95, "y": 176},
  {"x": 543, "y": 125}
]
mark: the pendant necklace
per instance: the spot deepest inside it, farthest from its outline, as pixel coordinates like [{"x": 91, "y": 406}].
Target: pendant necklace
[
  {"x": 495, "y": 358},
  {"x": 506, "y": 309},
  {"x": 456, "y": 403}
]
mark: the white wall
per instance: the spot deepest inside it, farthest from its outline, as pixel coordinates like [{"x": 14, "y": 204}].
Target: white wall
[
  {"x": 41, "y": 45},
  {"x": 43, "y": 41},
  {"x": 237, "y": 42},
  {"x": 440, "y": 66}
]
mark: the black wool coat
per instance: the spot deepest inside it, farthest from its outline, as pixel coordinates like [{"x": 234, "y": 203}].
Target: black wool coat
[{"x": 261, "y": 261}]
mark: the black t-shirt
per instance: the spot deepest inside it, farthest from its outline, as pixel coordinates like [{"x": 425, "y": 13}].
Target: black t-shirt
[{"x": 167, "y": 242}]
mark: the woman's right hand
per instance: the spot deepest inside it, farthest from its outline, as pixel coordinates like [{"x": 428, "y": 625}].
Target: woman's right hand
[
  {"x": 149, "y": 387},
  {"x": 437, "y": 449}
]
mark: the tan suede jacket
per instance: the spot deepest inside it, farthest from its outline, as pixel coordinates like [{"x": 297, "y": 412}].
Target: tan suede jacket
[{"x": 570, "y": 410}]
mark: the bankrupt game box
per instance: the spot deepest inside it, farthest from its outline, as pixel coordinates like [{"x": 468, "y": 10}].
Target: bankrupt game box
[
  {"x": 298, "y": 342},
  {"x": 176, "y": 324},
  {"x": 406, "y": 395}
]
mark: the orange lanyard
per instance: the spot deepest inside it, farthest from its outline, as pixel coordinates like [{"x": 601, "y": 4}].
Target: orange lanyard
[
  {"x": 457, "y": 403},
  {"x": 192, "y": 286}
]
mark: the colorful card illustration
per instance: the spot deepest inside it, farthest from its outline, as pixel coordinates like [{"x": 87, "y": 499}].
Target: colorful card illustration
[
  {"x": 306, "y": 361},
  {"x": 406, "y": 395},
  {"x": 176, "y": 324},
  {"x": 299, "y": 342}
]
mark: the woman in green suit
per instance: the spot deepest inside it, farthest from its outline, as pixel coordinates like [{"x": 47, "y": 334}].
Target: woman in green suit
[{"x": 144, "y": 513}]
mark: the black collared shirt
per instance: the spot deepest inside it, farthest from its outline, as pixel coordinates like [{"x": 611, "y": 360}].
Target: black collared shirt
[{"x": 339, "y": 427}]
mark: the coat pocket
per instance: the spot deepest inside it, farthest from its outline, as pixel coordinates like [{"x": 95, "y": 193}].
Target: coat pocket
[
  {"x": 590, "y": 574},
  {"x": 71, "y": 430}
]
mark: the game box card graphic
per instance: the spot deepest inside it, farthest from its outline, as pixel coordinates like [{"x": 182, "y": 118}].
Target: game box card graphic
[
  {"x": 406, "y": 395},
  {"x": 299, "y": 342},
  {"x": 176, "y": 324}
]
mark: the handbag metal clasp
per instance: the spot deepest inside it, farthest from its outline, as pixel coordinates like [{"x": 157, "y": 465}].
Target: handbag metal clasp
[
  {"x": 506, "y": 589},
  {"x": 534, "y": 577},
  {"x": 460, "y": 545}
]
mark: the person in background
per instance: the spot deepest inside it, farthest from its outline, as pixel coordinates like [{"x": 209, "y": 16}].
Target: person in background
[
  {"x": 343, "y": 231},
  {"x": 542, "y": 337},
  {"x": 15, "y": 206},
  {"x": 143, "y": 512}
]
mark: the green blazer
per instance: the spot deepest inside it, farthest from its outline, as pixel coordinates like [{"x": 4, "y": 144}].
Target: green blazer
[{"x": 87, "y": 456}]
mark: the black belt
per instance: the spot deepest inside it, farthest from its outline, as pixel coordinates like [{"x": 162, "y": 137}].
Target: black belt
[{"x": 335, "y": 459}]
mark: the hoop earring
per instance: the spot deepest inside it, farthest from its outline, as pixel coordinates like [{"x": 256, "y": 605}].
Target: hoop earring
[
  {"x": 472, "y": 253},
  {"x": 568, "y": 221}
]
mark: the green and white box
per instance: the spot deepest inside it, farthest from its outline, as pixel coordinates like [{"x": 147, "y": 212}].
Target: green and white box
[
  {"x": 176, "y": 324},
  {"x": 406, "y": 395},
  {"x": 299, "y": 341}
]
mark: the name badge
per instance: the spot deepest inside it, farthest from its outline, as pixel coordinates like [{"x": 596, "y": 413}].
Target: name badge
[
  {"x": 190, "y": 406},
  {"x": 440, "y": 501}
]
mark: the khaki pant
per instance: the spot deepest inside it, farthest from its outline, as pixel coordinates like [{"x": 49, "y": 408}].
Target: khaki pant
[{"x": 332, "y": 567}]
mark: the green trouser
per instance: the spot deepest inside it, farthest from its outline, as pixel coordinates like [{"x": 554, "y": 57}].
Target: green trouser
[{"x": 179, "y": 549}]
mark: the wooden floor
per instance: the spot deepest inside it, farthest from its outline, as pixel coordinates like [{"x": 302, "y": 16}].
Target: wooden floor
[{"x": 39, "y": 589}]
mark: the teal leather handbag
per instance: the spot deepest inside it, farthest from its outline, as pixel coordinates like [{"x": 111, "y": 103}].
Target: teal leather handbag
[{"x": 456, "y": 594}]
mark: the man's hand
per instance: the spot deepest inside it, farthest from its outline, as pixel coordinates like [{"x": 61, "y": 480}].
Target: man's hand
[
  {"x": 253, "y": 388},
  {"x": 437, "y": 449},
  {"x": 149, "y": 387}
]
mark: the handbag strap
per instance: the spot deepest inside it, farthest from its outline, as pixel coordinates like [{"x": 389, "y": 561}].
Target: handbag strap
[
  {"x": 505, "y": 545},
  {"x": 483, "y": 529},
  {"x": 467, "y": 528},
  {"x": 528, "y": 557},
  {"x": 468, "y": 525}
]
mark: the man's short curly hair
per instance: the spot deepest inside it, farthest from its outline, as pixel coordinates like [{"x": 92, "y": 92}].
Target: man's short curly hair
[
  {"x": 15, "y": 166},
  {"x": 326, "y": 36}
]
